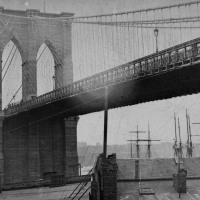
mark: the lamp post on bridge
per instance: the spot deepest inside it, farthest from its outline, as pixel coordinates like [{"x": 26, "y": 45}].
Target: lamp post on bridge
[
  {"x": 54, "y": 83},
  {"x": 156, "y": 34}
]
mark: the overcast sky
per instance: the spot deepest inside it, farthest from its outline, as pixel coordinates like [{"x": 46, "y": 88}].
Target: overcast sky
[
  {"x": 87, "y": 7},
  {"x": 158, "y": 114}
]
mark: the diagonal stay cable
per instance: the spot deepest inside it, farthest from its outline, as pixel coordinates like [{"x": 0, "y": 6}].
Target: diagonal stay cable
[
  {"x": 80, "y": 184},
  {"x": 51, "y": 116},
  {"x": 84, "y": 193},
  {"x": 8, "y": 57},
  {"x": 21, "y": 84},
  {"x": 90, "y": 171},
  {"x": 80, "y": 105},
  {"x": 9, "y": 65},
  {"x": 42, "y": 53},
  {"x": 14, "y": 95},
  {"x": 83, "y": 185}
]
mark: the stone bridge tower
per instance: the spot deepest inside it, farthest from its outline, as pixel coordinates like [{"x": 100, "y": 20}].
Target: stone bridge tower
[
  {"x": 29, "y": 30},
  {"x": 29, "y": 149}
]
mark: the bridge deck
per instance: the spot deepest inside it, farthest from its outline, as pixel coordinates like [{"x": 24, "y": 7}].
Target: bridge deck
[{"x": 169, "y": 73}]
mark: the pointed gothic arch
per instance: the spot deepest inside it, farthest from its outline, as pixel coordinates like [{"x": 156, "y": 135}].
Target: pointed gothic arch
[
  {"x": 45, "y": 69},
  {"x": 11, "y": 72}
]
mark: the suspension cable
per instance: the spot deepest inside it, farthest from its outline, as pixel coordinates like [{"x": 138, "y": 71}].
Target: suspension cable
[
  {"x": 14, "y": 96},
  {"x": 21, "y": 84},
  {"x": 9, "y": 65},
  {"x": 8, "y": 57}
]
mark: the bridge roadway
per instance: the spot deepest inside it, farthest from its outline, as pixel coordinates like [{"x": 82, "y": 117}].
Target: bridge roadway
[{"x": 170, "y": 73}]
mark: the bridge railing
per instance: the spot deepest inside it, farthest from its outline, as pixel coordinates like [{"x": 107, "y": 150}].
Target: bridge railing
[{"x": 168, "y": 59}]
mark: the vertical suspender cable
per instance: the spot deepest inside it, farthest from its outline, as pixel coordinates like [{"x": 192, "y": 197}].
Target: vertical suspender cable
[
  {"x": 154, "y": 47},
  {"x": 147, "y": 36},
  {"x": 112, "y": 40},
  {"x": 73, "y": 40},
  {"x": 117, "y": 39},
  {"x": 138, "y": 41},
  {"x": 198, "y": 16},
  {"x": 94, "y": 46},
  {"x": 186, "y": 25},
  {"x": 180, "y": 24},
  {"x": 85, "y": 58},
  {"x": 133, "y": 34},
  {"x": 74, "y": 49},
  {"x": 81, "y": 48},
  {"x": 98, "y": 44},
  {"x": 193, "y": 29},
  {"x": 78, "y": 49},
  {"x": 171, "y": 30},
  {"x": 168, "y": 30},
  {"x": 196, "y": 29},
  {"x": 134, "y": 38},
  {"x": 122, "y": 39},
  {"x": 108, "y": 57},
  {"x": 104, "y": 67},
  {"x": 88, "y": 33},
  {"x": 142, "y": 35},
  {"x": 129, "y": 40},
  {"x": 191, "y": 32},
  {"x": 45, "y": 71},
  {"x": 164, "y": 30},
  {"x": 124, "y": 36}
]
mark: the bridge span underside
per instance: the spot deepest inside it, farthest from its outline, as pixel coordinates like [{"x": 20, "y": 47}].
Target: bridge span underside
[
  {"x": 44, "y": 139},
  {"x": 46, "y": 147},
  {"x": 180, "y": 81}
]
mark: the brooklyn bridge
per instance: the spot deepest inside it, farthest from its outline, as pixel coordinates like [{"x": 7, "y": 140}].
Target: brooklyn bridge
[{"x": 67, "y": 63}]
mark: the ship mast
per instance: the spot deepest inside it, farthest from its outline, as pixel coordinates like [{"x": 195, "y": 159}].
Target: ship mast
[
  {"x": 137, "y": 142},
  {"x": 149, "y": 143},
  {"x": 190, "y": 134},
  {"x": 189, "y": 140},
  {"x": 180, "y": 148},
  {"x": 175, "y": 142}
]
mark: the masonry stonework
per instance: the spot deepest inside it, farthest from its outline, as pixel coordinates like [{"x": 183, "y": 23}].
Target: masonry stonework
[
  {"x": 29, "y": 147},
  {"x": 0, "y": 81},
  {"x": 29, "y": 79},
  {"x": 67, "y": 68},
  {"x": 34, "y": 151},
  {"x": 1, "y": 149},
  {"x": 71, "y": 154},
  {"x": 32, "y": 148},
  {"x": 28, "y": 33},
  {"x": 104, "y": 178}
]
